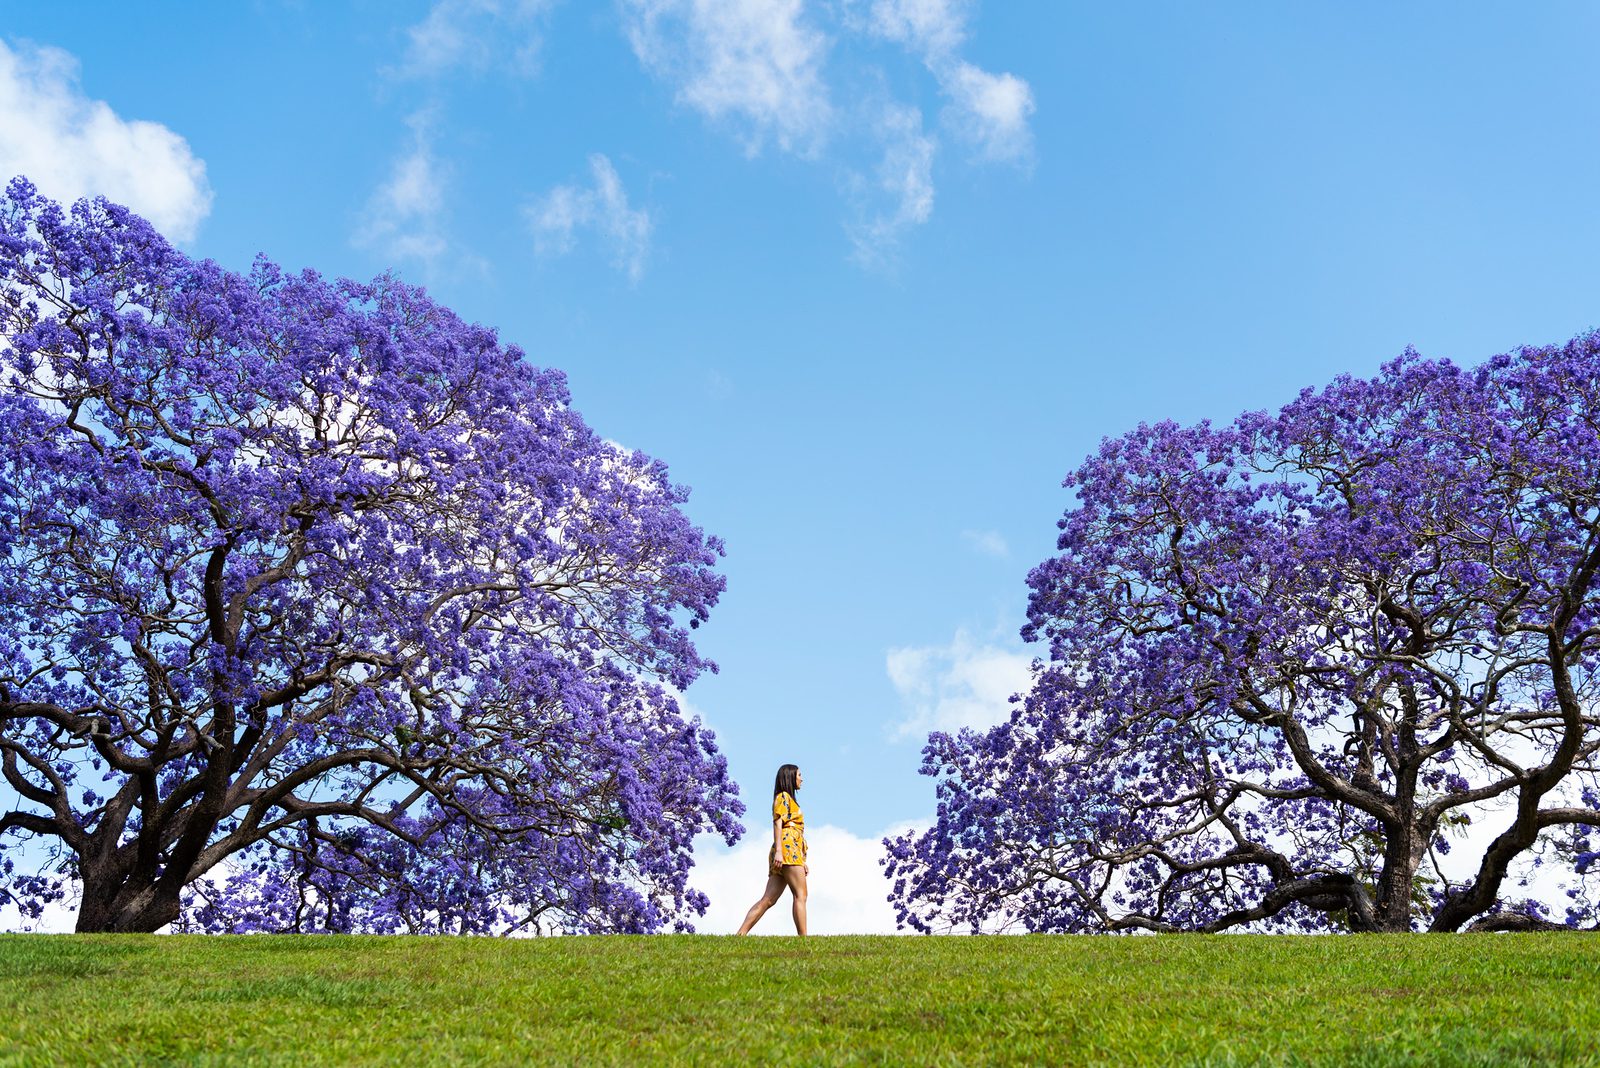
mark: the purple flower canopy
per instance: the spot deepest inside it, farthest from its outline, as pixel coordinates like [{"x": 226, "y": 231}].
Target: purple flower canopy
[
  {"x": 1291, "y": 662},
  {"x": 320, "y": 609}
]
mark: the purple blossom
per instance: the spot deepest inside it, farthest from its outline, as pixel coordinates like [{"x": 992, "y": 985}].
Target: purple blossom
[
  {"x": 339, "y": 598},
  {"x": 1284, "y": 662}
]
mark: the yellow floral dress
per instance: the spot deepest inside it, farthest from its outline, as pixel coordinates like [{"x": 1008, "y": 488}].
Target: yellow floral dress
[{"x": 791, "y": 836}]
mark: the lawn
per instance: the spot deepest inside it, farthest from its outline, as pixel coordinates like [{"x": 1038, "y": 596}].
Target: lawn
[{"x": 1229, "y": 1000}]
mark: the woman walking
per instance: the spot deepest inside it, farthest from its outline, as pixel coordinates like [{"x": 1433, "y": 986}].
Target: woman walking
[{"x": 786, "y": 862}]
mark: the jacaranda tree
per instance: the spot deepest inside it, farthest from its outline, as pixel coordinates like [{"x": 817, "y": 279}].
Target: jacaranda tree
[
  {"x": 1291, "y": 663},
  {"x": 320, "y": 609}
]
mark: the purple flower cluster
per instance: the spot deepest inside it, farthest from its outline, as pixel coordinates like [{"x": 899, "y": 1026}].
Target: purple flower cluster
[
  {"x": 320, "y": 609},
  {"x": 1291, "y": 662}
]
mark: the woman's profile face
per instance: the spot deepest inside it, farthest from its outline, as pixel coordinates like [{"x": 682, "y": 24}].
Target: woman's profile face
[{"x": 799, "y": 779}]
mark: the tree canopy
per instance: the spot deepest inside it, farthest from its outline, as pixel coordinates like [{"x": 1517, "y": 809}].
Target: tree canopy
[
  {"x": 1292, "y": 663},
  {"x": 322, "y": 609}
]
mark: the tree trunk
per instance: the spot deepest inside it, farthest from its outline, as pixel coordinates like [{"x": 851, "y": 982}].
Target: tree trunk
[
  {"x": 1402, "y": 855},
  {"x": 111, "y": 906}
]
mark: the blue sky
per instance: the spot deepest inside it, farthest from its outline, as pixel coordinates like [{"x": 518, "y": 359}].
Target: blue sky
[{"x": 870, "y": 275}]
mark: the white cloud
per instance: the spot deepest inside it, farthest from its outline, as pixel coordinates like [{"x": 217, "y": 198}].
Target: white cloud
[
  {"x": 847, "y": 891},
  {"x": 558, "y": 216},
  {"x": 718, "y": 385},
  {"x": 988, "y": 110},
  {"x": 905, "y": 176},
  {"x": 991, "y": 111},
  {"x": 962, "y": 684},
  {"x": 403, "y": 217},
  {"x": 754, "y": 63},
  {"x": 474, "y": 35},
  {"x": 987, "y": 542},
  {"x": 71, "y": 146},
  {"x": 931, "y": 27}
]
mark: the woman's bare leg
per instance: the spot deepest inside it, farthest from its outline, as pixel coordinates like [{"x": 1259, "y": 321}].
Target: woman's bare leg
[
  {"x": 795, "y": 876},
  {"x": 769, "y": 898}
]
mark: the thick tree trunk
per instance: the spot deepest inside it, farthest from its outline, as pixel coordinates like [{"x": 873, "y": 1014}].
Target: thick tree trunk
[
  {"x": 120, "y": 902},
  {"x": 1402, "y": 856},
  {"x": 142, "y": 921},
  {"x": 147, "y": 916}
]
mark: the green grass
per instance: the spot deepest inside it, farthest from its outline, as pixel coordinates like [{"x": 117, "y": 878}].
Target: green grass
[{"x": 1363, "y": 1001}]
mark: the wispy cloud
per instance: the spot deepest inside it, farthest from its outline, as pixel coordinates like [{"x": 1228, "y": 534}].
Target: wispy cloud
[
  {"x": 987, "y": 542},
  {"x": 904, "y": 177},
  {"x": 767, "y": 72},
  {"x": 719, "y": 387},
  {"x": 558, "y": 217},
  {"x": 403, "y": 218},
  {"x": 964, "y": 683},
  {"x": 73, "y": 146},
  {"x": 474, "y": 35},
  {"x": 756, "y": 64},
  {"x": 990, "y": 111}
]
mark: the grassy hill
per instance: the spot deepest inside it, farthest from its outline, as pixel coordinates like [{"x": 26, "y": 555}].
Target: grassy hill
[{"x": 1231, "y": 1000}]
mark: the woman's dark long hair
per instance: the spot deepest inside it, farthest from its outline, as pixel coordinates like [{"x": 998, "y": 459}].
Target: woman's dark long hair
[{"x": 784, "y": 783}]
